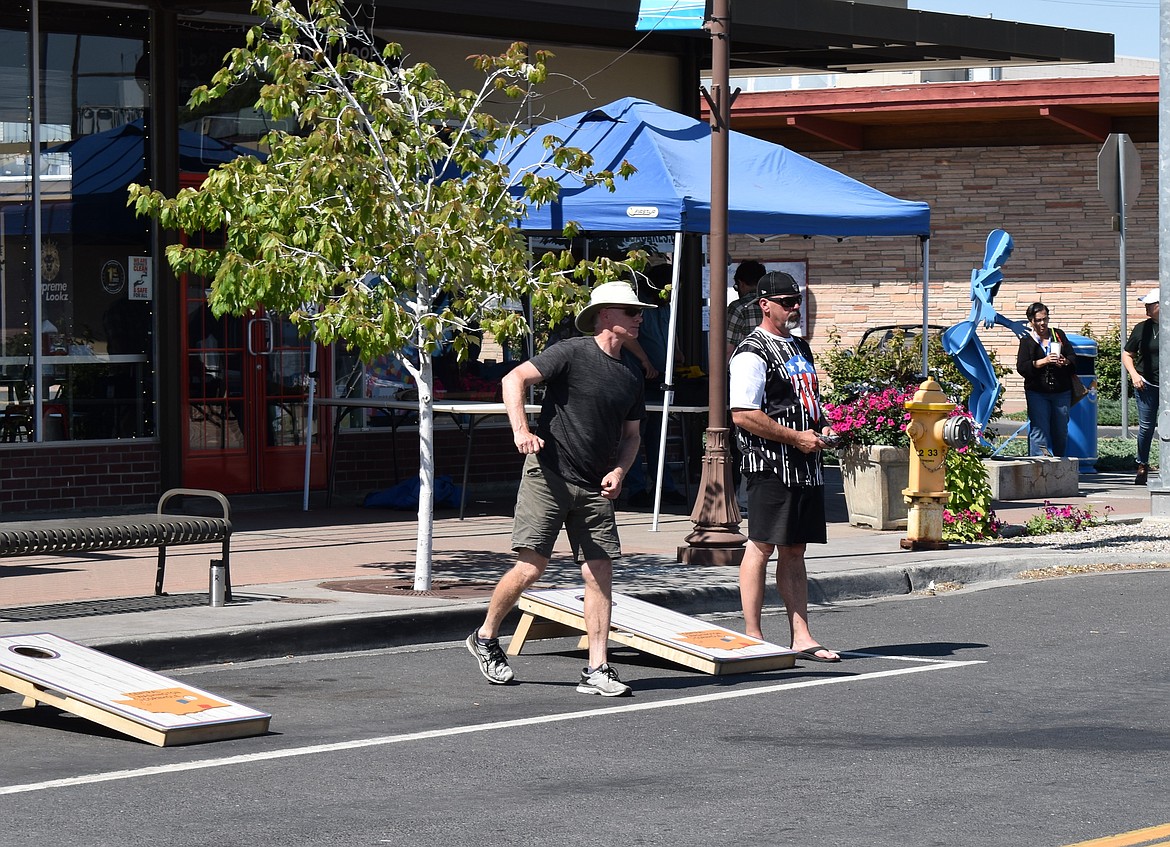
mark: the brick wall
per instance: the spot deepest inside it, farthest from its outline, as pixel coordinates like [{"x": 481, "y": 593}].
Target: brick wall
[
  {"x": 58, "y": 477},
  {"x": 1066, "y": 253}
]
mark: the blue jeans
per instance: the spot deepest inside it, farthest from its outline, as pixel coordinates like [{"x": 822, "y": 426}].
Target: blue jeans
[
  {"x": 1048, "y": 422},
  {"x": 1147, "y": 404}
]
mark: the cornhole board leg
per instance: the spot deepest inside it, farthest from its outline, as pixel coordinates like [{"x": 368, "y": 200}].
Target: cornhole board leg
[
  {"x": 53, "y": 671},
  {"x": 533, "y": 628},
  {"x": 678, "y": 638}
]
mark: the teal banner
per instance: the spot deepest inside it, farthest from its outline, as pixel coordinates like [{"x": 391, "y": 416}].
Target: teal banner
[{"x": 671, "y": 14}]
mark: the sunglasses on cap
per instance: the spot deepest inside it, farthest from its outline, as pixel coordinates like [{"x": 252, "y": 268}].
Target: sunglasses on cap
[{"x": 787, "y": 302}]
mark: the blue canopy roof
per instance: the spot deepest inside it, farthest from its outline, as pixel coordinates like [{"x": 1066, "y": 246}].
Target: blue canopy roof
[
  {"x": 103, "y": 166},
  {"x": 109, "y": 161},
  {"x": 772, "y": 191}
]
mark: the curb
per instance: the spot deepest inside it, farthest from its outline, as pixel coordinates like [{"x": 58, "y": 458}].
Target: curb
[{"x": 452, "y": 623}]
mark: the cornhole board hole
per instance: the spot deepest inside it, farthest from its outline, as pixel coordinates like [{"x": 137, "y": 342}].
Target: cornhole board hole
[
  {"x": 116, "y": 694},
  {"x": 678, "y": 638}
]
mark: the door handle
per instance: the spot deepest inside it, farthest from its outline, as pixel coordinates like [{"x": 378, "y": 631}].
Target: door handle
[{"x": 267, "y": 329}]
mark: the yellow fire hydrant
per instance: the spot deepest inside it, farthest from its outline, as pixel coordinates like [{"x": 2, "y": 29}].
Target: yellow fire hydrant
[{"x": 931, "y": 434}]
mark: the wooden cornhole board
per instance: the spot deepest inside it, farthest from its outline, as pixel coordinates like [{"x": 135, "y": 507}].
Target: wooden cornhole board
[
  {"x": 124, "y": 697},
  {"x": 678, "y": 638}
]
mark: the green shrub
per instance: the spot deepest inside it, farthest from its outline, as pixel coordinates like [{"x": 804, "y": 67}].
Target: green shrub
[
  {"x": 968, "y": 515},
  {"x": 1108, "y": 364},
  {"x": 1114, "y": 455},
  {"x": 1064, "y": 519},
  {"x": 893, "y": 360}
]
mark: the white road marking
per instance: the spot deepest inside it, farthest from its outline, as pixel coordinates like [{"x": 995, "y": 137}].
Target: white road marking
[
  {"x": 864, "y": 655},
  {"x": 357, "y": 744}
]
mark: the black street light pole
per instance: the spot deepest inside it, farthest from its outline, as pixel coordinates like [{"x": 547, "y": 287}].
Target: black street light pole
[{"x": 716, "y": 539}]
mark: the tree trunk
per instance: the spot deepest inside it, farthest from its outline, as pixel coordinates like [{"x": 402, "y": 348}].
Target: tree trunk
[{"x": 426, "y": 473}]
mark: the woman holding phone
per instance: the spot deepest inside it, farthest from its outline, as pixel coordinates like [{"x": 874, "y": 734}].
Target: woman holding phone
[{"x": 1047, "y": 363}]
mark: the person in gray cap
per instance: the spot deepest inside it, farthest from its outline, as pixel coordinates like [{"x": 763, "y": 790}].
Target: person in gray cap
[
  {"x": 743, "y": 315},
  {"x": 586, "y": 438},
  {"x": 781, "y": 429},
  {"x": 1140, "y": 358}
]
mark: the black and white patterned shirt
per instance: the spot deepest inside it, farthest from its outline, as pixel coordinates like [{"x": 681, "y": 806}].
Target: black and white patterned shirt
[{"x": 776, "y": 374}]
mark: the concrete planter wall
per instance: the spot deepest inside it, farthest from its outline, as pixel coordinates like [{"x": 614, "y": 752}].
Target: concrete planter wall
[
  {"x": 874, "y": 478},
  {"x": 1033, "y": 478}
]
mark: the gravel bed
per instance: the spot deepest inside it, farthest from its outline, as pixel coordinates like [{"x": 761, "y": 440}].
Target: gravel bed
[{"x": 1109, "y": 540}]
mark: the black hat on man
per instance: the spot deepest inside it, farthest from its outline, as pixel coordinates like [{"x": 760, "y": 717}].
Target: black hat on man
[{"x": 777, "y": 284}]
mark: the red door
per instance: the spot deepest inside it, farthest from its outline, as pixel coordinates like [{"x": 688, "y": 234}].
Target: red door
[{"x": 246, "y": 384}]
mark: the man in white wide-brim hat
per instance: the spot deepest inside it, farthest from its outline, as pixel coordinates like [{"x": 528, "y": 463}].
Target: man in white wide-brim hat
[{"x": 586, "y": 438}]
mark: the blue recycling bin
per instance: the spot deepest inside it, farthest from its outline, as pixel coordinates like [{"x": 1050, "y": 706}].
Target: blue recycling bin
[{"x": 1082, "y": 421}]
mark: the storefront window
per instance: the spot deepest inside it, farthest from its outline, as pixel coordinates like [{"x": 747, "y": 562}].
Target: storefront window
[{"x": 85, "y": 309}]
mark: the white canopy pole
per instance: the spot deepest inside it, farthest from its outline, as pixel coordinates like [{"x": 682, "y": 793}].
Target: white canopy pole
[{"x": 668, "y": 392}]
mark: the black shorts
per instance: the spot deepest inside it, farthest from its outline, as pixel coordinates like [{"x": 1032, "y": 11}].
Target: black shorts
[{"x": 784, "y": 515}]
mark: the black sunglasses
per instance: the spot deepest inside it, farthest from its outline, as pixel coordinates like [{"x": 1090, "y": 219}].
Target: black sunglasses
[
  {"x": 630, "y": 311},
  {"x": 786, "y": 302}
]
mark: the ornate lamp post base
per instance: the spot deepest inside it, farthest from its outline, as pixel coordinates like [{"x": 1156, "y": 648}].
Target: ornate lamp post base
[{"x": 716, "y": 539}]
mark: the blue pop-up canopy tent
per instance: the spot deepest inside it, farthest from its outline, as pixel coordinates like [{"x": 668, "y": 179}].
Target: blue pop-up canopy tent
[{"x": 771, "y": 191}]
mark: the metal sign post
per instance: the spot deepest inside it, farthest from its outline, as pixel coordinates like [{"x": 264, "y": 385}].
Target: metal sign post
[
  {"x": 1159, "y": 491},
  {"x": 1119, "y": 179}
]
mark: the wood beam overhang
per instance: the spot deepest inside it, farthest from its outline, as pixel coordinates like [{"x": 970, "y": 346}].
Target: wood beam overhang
[
  {"x": 841, "y": 134},
  {"x": 1139, "y": 93},
  {"x": 1005, "y": 112},
  {"x": 1092, "y": 125}
]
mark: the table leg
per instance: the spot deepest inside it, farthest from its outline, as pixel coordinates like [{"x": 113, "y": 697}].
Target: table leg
[{"x": 466, "y": 466}]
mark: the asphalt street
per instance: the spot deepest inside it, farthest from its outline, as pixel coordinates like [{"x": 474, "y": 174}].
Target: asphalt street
[{"x": 1025, "y": 713}]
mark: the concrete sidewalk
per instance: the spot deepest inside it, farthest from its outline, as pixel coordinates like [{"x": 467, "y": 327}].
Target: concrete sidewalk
[{"x": 342, "y": 578}]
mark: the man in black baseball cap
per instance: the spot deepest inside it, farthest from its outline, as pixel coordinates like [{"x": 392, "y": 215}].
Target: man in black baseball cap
[
  {"x": 779, "y": 287},
  {"x": 781, "y": 430}
]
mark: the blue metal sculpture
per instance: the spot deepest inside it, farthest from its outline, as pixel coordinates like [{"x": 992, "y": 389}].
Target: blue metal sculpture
[{"x": 961, "y": 341}]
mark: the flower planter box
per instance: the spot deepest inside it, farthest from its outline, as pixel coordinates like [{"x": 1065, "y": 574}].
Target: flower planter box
[{"x": 874, "y": 478}]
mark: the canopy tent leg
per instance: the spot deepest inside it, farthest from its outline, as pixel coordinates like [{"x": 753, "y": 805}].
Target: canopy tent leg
[{"x": 668, "y": 392}]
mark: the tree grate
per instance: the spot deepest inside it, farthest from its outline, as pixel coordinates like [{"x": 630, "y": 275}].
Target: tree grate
[{"x": 114, "y": 606}]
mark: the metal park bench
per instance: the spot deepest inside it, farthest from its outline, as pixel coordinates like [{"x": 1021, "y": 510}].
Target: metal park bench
[{"x": 66, "y": 535}]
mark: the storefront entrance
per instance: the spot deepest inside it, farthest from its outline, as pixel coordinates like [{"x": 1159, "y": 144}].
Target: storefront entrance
[{"x": 245, "y": 386}]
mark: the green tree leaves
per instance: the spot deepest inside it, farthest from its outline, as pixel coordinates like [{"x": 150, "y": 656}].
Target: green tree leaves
[{"x": 392, "y": 178}]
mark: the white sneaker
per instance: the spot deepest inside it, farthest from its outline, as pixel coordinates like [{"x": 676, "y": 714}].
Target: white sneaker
[
  {"x": 603, "y": 681},
  {"x": 493, "y": 664}
]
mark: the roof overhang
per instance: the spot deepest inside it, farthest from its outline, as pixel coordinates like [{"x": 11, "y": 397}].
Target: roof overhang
[
  {"x": 847, "y": 37},
  {"x": 819, "y": 36},
  {"x": 1009, "y": 112},
  {"x": 834, "y": 36}
]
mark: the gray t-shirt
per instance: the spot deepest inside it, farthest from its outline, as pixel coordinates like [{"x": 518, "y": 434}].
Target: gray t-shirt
[{"x": 589, "y": 396}]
